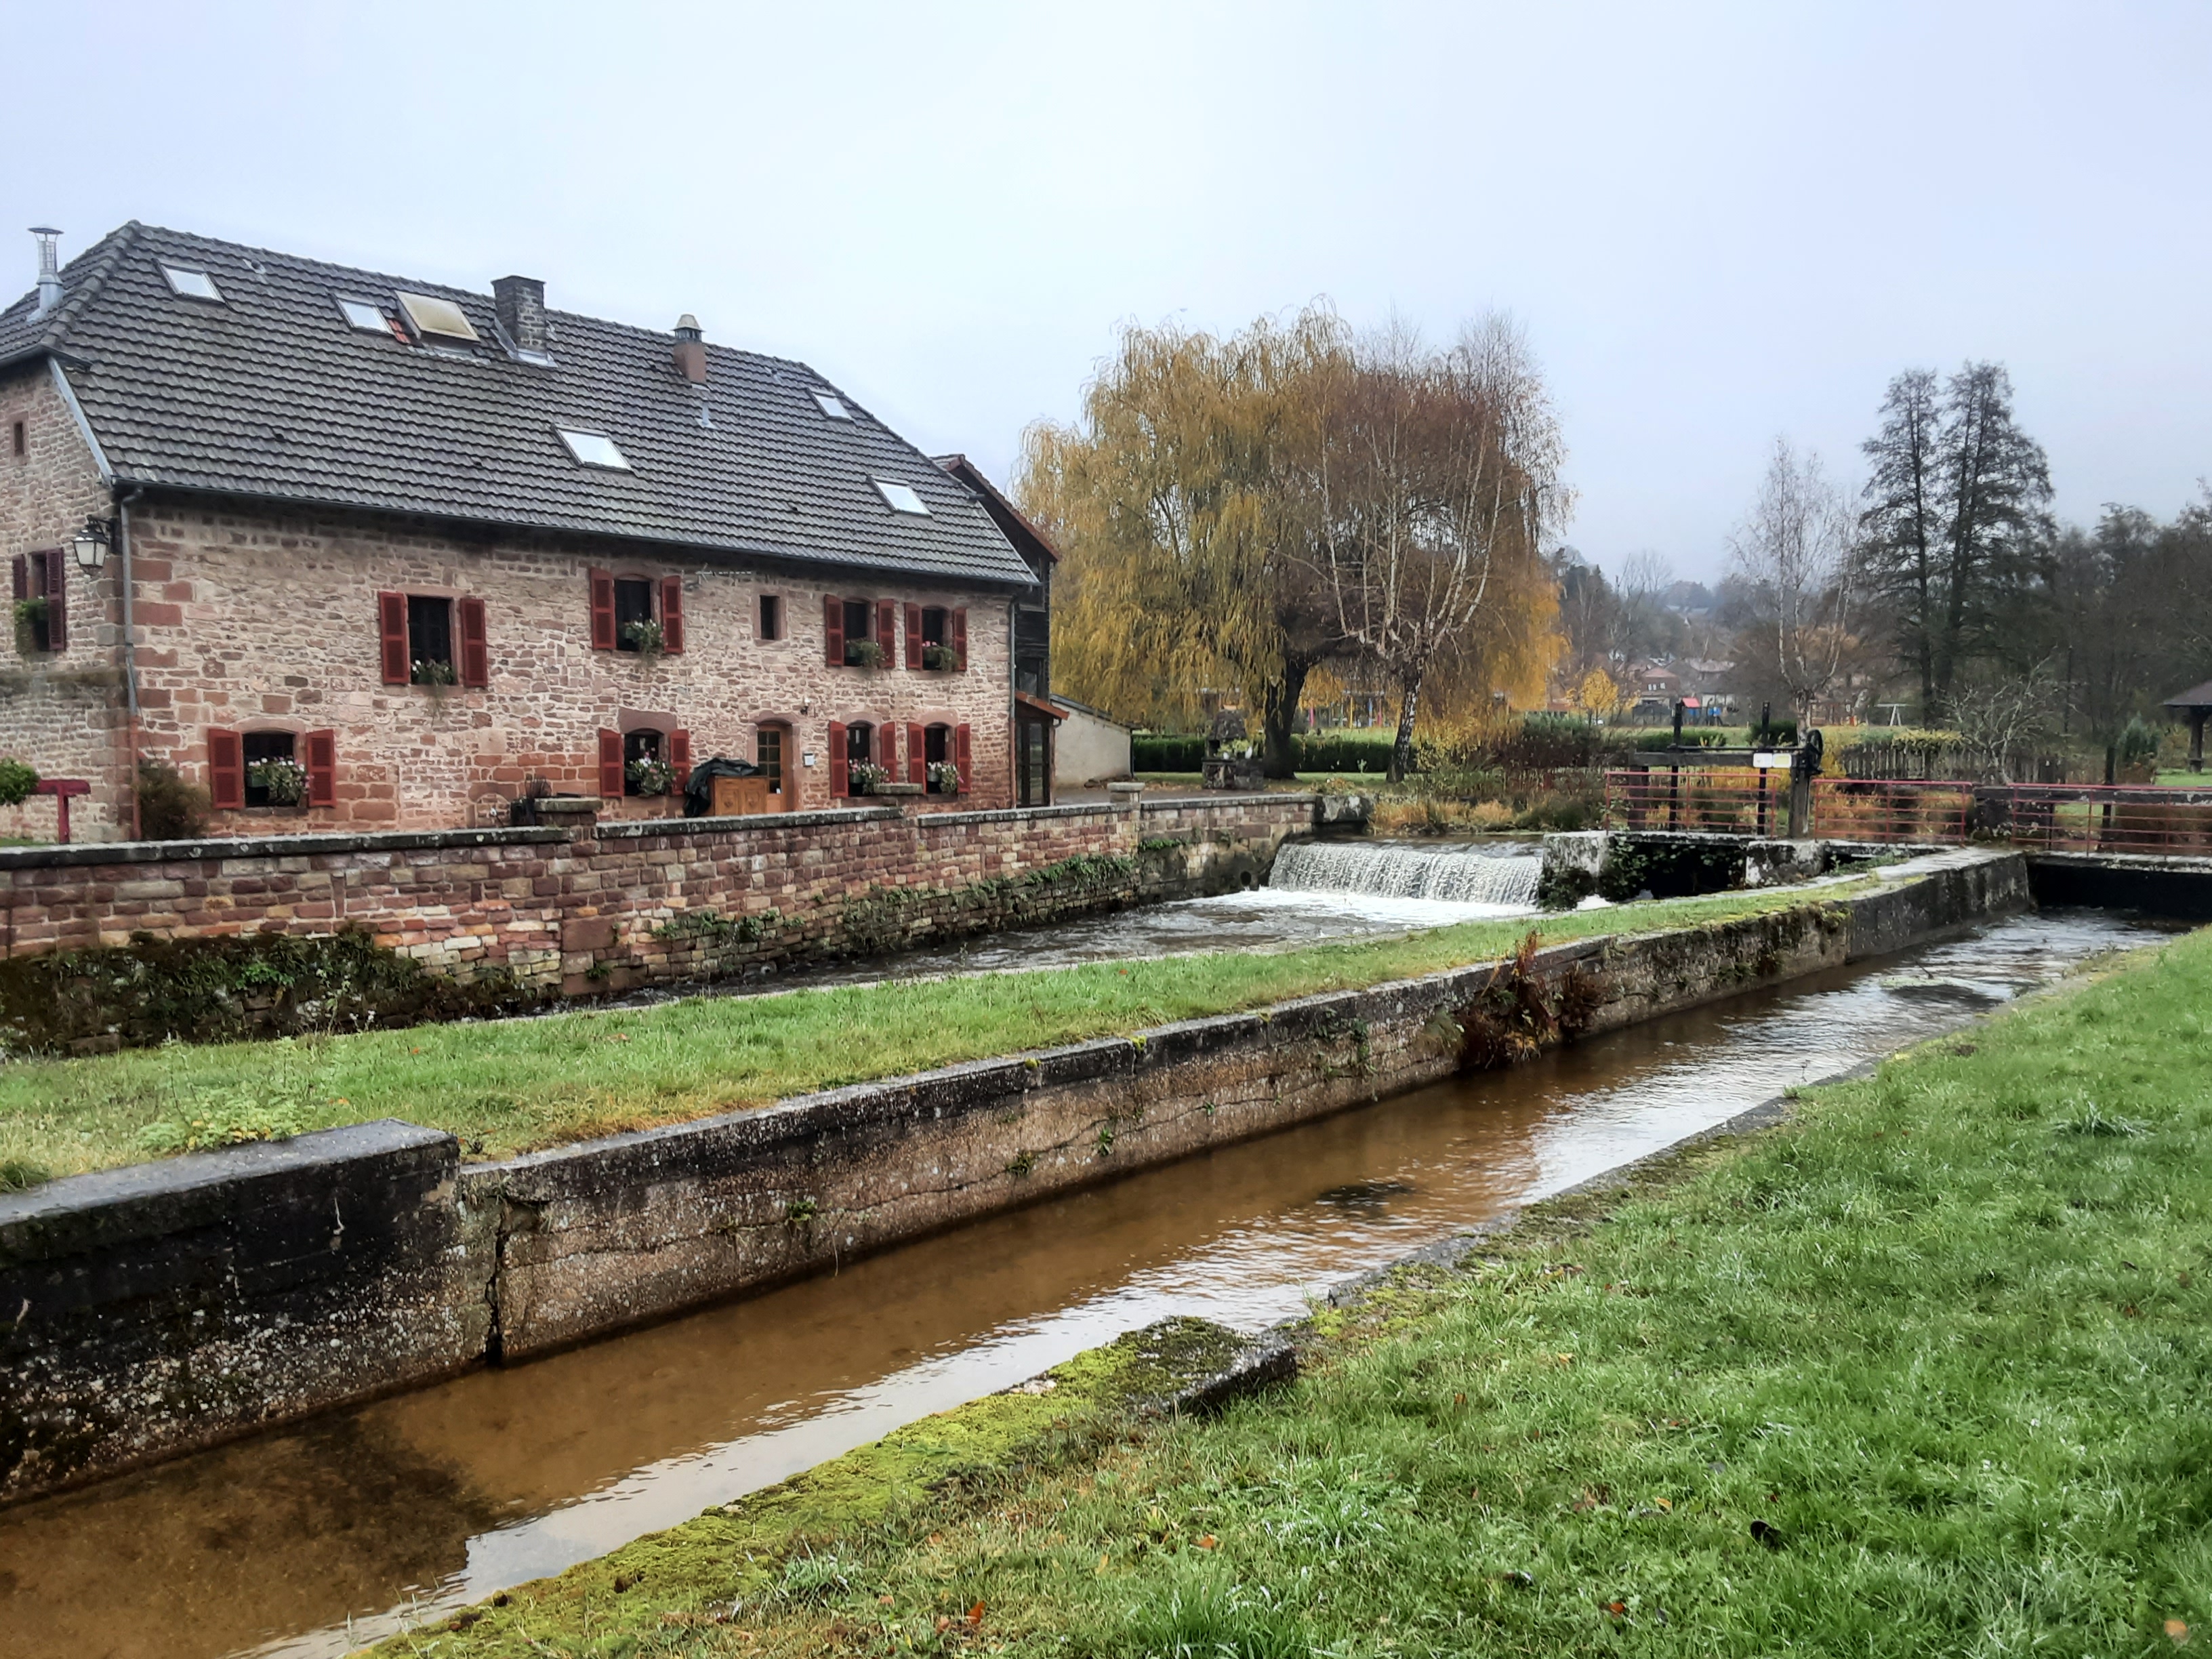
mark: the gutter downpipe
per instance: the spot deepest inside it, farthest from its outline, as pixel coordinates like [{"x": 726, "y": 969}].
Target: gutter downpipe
[{"x": 123, "y": 496}]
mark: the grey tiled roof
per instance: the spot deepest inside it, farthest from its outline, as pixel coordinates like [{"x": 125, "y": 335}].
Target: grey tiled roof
[{"x": 272, "y": 394}]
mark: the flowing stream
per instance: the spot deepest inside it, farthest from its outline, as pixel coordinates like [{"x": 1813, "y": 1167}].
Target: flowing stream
[{"x": 307, "y": 1540}]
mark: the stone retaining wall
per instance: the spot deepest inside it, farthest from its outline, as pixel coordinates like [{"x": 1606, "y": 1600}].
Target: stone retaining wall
[
  {"x": 541, "y": 912},
  {"x": 155, "y": 1310}
]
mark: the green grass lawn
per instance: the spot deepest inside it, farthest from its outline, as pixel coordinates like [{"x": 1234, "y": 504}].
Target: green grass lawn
[
  {"x": 507, "y": 1086},
  {"x": 1923, "y": 1372}
]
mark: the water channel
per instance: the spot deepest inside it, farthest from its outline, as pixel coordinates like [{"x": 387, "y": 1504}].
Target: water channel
[{"x": 311, "y": 1539}]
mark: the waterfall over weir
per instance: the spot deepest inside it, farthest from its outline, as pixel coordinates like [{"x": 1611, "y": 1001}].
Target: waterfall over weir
[{"x": 1505, "y": 876}]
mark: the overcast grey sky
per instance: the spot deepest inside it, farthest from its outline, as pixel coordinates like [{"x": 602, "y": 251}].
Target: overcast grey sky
[{"x": 1717, "y": 222}]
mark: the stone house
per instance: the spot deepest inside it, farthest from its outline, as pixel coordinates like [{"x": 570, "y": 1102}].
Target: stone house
[{"x": 414, "y": 551}]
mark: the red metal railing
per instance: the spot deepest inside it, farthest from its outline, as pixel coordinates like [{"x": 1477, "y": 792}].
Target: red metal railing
[
  {"x": 1891, "y": 810},
  {"x": 2053, "y": 817},
  {"x": 1728, "y": 800}
]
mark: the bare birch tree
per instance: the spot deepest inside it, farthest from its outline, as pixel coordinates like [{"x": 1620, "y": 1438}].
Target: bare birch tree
[
  {"x": 1796, "y": 552},
  {"x": 1438, "y": 477}
]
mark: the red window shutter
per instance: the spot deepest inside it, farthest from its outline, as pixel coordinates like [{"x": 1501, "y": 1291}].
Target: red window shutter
[
  {"x": 392, "y": 637},
  {"x": 671, "y": 614},
  {"x": 226, "y": 768},
  {"x": 679, "y": 756},
  {"x": 611, "y": 764},
  {"x": 962, "y": 757},
  {"x": 887, "y": 631},
  {"x": 57, "y": 598},
  {"x": 833, "y": 630},
  {"x": 603, "y": 609},
  {"x": 917, "y": 754},
  {"x": 914, "y": 636},
  {"x": 322, "y": 768},
  {"x": 840, "y": 780},
  {"x": 476, "y": 649},
  {"x": 960, "y": 660}
]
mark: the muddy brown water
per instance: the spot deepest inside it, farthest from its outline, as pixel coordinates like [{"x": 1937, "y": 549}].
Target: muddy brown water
[{"x": 312, "y": 1540}]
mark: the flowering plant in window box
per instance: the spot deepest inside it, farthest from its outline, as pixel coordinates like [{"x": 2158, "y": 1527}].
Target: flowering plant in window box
[
  {"x": 939, "y": 657},
  {"x": 651, "y": 777},
  {"x": 31, "y": 624},
  {"x": 646, "y": 638},
  {"x": 286, "y": 780},
  {"x": 944, "y": 777},
  {"x": 427, "y": 671},
  {"x": 863, "y": 653},
  {"x": 865, "y": 775}
]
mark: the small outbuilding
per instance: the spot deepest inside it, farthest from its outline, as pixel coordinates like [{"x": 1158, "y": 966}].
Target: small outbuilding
[
  {"x": 2194, "y": 705},
  {"x": 1093, "y": 747}
]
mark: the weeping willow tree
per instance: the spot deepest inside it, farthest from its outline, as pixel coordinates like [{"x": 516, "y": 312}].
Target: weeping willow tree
[
  {"x": 1238, "y": 513},
  {"x": 1185, "y": 502}
]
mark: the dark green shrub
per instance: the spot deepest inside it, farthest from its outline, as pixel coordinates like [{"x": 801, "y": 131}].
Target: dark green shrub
[
  {"x": 1166, "y": 751},
  {"x": 169, "y": 809},
  {"x": 16, "y": 782},
  {"x": 1350, "y": 752}
]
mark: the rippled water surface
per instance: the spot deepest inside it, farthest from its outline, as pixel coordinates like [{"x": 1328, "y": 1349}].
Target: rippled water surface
[{"x": 441, "y": 1496}]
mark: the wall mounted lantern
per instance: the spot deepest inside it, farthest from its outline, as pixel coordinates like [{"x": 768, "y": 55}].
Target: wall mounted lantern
[{"x": 90, "y": 544}]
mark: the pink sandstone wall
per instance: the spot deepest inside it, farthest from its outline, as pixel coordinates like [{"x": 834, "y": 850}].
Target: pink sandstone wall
[
  {"x": 252, "y": 619},
  {"x": 552, "y": 910},
  {"x": 61, "y": 711}
]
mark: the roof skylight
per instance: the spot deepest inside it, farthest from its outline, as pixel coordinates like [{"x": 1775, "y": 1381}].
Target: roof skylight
[
  {"x": 594, "y": 449},
  {"x": 900, "y": 498},
  {"x": 191, "y": 284},
  {"x": 833, "y": 406},
  {"x": 363, "y": 315},
  {"x": 433, "y": 318}
]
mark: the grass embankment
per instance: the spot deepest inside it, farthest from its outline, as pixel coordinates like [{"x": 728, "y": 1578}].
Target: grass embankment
[
  {"x": 1922, "y": 1372},
  {"x": 507, "y": 1086}
]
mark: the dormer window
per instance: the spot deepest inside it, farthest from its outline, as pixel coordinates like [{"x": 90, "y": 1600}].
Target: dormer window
[
  {"x": 434, "y": 318},
  {"x": 191, "y": 284},
  {"x": 594, "y": 449},
  {"x": 900, "y": 498},
  {"x": 364, "y": 315},
  {"x": 833, "y": 406}
]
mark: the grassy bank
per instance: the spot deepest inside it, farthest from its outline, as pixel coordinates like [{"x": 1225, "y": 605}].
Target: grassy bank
[
  {"x": 1923, "y": 1372},
  {"x": 512, "y": 1085}
]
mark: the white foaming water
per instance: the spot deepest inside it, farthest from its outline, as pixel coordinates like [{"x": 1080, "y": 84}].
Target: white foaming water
[{"x": 1503, "y": 876}]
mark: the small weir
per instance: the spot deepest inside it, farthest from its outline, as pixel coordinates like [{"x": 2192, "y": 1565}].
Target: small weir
[
  {"x": 1503, "y": 875},
  {"x": 311, "y": 1539}
]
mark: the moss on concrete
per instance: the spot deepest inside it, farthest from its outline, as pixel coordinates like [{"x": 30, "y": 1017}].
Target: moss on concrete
[{"x": 780, "y": 1545}]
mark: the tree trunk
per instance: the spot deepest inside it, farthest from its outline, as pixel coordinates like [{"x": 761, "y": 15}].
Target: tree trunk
[
  {"x": 1278, "y": 711},
  {"x": 1402, "y": 748}
]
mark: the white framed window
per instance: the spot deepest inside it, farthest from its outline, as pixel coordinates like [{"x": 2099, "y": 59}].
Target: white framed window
[
  {"x": 832, "y": 405},
  {"x": 594, "y": 449},
  {"x": 191, "y": 284},
  {"x": 900, "y": 498},
  {"x": 364, "y": 315}
]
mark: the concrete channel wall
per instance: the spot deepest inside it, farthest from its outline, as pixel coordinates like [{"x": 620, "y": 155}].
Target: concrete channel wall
[{"x": 154, "y": 1310}]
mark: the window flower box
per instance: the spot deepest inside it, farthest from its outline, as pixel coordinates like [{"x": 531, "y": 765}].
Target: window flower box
[
  {"x": 648, "y": 776},
  {"x": 866, "y": 778},
  {"x": 940, "y": 659},
  {"x": 286, "y": 780},
  {"x": 863, "y": 653}
]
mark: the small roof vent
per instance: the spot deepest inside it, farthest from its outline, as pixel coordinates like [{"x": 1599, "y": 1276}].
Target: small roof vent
[{"x": 434, "y": 318}]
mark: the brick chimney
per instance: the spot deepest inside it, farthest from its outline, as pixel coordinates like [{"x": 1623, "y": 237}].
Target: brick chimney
[
  {"x": 520, "y": 302},
  {"x": 690, "y": 353}
]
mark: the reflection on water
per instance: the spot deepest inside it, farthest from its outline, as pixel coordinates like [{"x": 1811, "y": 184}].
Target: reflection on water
[{"x": 443, "y": 1496}]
